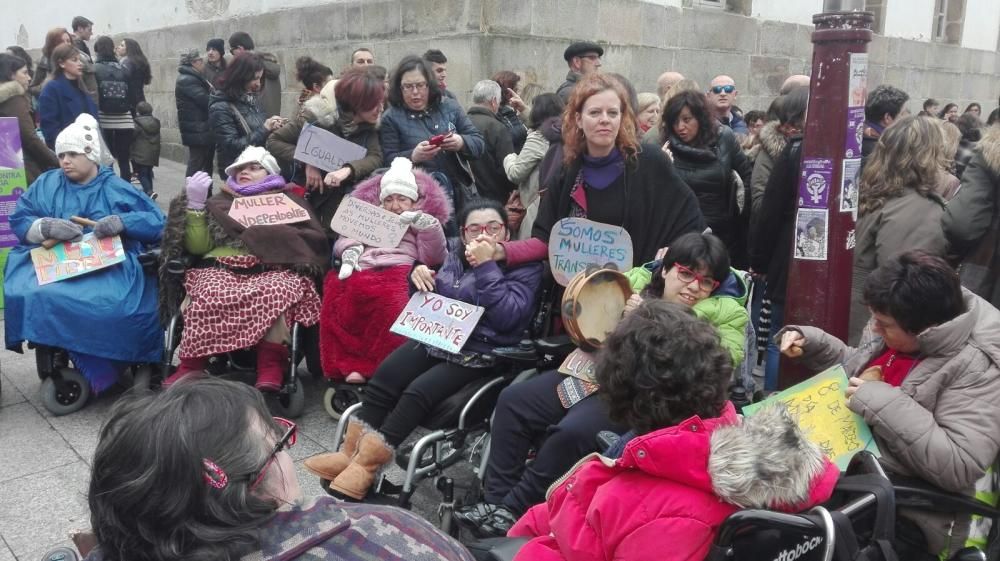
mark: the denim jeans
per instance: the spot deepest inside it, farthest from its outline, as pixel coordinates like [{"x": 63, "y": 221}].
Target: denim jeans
[
  {"x": 145, "y": 177},
  {"x": 773, "y": 353}
]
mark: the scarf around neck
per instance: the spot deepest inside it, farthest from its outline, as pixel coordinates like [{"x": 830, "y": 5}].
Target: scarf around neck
[
  {"x": 598, "y": 173},
  {"x": 272, "y": 182}
]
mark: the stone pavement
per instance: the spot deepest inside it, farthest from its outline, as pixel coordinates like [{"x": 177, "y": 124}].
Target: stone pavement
[{"x": 45, "y": 460}]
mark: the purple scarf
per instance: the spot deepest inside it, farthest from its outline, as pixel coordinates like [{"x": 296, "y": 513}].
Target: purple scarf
[
  {"x": 598, "y": 173},
  {"x": 269, "y": 183}
]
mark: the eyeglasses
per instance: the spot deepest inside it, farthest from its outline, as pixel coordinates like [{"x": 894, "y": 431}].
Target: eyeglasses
[
  {"x": 492, "y": 228},
  {"x": 287, "y": 440},
  {"x": 719, "y": 89},
  {"x": 687, "y": 276},
  {"x": 418, "y": 87}
]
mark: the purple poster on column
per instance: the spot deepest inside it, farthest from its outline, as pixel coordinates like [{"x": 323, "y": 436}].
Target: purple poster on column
[
  {"x": 855, "y": 129},
  {"x": 13, "y": 182},
  {"x": 814, "y": 182}
]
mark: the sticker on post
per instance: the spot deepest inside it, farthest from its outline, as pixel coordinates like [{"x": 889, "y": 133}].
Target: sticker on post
[
  {"x": 857, "y": 89},
  {"x": 811, "y": 231},
  {"x": 72, "y": 259},
  {"x": 814, "y": 182},
  {"x": 267, "y": 210},
  {"x": 849, "y": 185},
  {"x": 855, "y": 132},
  {"x": 578, "y": 243},
  {"x": 438, "y": 321},
  {"x": 369, "y": 224},
  {"x": 323, "y": 149}
]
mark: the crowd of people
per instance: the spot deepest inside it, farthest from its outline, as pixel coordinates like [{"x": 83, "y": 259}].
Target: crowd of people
[{"x": 706, "y": 191}]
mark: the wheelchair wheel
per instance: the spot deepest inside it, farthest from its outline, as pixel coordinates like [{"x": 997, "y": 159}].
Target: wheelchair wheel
[
  {"x": 336, "y": 401},
  {"x": 66, "y": 392},
  {"x": 291, "y": 404}
]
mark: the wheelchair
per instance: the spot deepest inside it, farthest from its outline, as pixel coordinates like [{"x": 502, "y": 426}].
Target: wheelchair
[
  {"x": 64, "y": 389},
  {"x": 289, "y": 401}
]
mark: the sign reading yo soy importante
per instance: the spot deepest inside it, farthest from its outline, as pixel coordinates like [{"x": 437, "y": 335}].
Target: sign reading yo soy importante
[{"x": 438, "y": 321}]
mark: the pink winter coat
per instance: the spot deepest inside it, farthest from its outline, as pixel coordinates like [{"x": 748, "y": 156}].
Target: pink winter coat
[
  {"x": 426, "y": 246},
  {"x": 667, "y": 495}
]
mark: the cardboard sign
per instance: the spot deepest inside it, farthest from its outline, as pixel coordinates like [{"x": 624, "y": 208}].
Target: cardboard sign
[
  {"x": 820, "y": 406},
  {"x": 579, "y": 364},
  {"x": 267, "y": 210},
  {"x": 72, "y": 259},
  {"x": 13, "y": 182},
  {"x": 437, "y": 321},
  {"x": 325, "y": 150},
  {"x": 369, "y": 224},
  {"x": 577, "y": 243}
]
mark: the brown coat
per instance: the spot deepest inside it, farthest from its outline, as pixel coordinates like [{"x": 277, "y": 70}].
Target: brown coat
[
  {"x": 37, "y": 156},
  {"x": 942, "y": 424}
]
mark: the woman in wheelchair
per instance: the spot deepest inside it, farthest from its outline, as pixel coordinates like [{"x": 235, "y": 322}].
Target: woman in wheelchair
[
  {"x": 414, "y": 378},
  {"x": 926, "y": 378},
  {"x": 201, "y": 471},
  {"x": 361, "y": 302},
  {"x": 104, "y": 317},
  {"x": 687, "y": 459},
  {"x": 251, "y": 282},
  {"x": 546, "y": 408},
  {"x": 719, "y": 296}
]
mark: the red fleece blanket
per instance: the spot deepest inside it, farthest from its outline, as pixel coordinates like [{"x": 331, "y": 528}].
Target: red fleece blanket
[{"x": 357, "y": 314}]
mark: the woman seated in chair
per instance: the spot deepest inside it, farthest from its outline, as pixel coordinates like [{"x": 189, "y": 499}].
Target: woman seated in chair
[
  {"x": 925, "y": 376},
  {"x": 567, "y": 418},
  {"x": 217, "y": 483},
  {"x": 105, "y": 317},
  {"x": 415, "y": 377},
  {"x": 361, "y": 302},
  {"x": 252, "y": 282},
  {"x": 687, "y": 459}
]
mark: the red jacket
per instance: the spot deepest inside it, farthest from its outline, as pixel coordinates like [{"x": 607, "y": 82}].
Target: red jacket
[{"x": 671, "y": 489}]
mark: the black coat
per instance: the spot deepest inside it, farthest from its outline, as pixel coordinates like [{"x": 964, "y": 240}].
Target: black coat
[
  {"x": 774, "y": 231},
  {"x": 231, "y": 137},
  {"x": 518, "y": 130},
  {"x": 192, "y": 91},
  {"x": 708, "y": 172},
  {"x": 491, "y": 179}
]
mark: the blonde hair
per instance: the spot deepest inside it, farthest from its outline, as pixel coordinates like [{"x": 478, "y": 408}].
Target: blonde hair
[
  {"x": 574, "y": 141},
  {"x": 910, "y": 154},
  {"x": 645, "y": 99},
  {"x": 951, "y": 135}
]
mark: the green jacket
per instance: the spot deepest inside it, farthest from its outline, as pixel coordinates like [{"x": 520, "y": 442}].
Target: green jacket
[
  {"x": 198, "y": 239},
  {"x": 725, "y": 308}
]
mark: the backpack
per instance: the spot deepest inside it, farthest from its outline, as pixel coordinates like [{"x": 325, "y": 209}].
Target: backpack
[{"x": 112, "y": 88}]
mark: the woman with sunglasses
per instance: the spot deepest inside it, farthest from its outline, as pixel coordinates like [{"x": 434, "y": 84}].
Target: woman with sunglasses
[
  {"x": 706, "y": 154},
  {"x": 200, "y": 471},
  {"x": 416, "y": 377},
  {"x": 695, "y": 272}
]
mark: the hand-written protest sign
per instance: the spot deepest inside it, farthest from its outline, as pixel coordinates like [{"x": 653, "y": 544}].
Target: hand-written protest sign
[
  {"x": 72, "y": 259},
  {"x": 13, "y": 182},
  {"x": 820, "y": 406},
  {"x": 367, "y": 223},
  {"x": 576, "y": 243},
  {"x": 579, "y": 364},
  {"x": 266, "y": 210},
  {"x": 437, "y": 321},
  {"x": 325, "y": 150}
]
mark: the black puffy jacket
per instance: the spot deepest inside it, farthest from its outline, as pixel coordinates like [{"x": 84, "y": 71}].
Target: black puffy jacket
[
  {"x": 708, "y": 172},
  {"x": 192, "y": 91},
  {"x": 774, "y": 230},
  {"x": 231, "y": 136}
]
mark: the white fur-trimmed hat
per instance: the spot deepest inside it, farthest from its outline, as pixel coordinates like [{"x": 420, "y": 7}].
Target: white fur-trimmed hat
[
  {"x": 83, "y": 136},
  {"x": 254, "y": 154},
  {"x": 399, "y": 180}
]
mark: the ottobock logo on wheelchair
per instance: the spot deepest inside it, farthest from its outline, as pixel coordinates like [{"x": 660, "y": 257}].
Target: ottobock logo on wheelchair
[{"x": 792, "y": 554}]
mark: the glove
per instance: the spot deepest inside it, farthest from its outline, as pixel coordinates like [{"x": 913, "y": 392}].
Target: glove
[
  {"x": 418, "y": 219},
  {"x": 349, "y": 261},
  {"x": 410, "y": 216},
  {"x": 197, "y": 187},
  {"x": 59, "y": 229},
  {"x": 109, "y": 226}
]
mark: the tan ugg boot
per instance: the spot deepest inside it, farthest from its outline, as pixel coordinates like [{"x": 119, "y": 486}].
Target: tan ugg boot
[
  {"x": 330, "y": 464},
  {"x": 373, "y": 453}
]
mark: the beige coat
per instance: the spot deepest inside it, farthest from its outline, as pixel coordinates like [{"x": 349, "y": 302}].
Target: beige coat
[
  {"x": 943, "y": 423},
  {"x": 522, "y": 169}
]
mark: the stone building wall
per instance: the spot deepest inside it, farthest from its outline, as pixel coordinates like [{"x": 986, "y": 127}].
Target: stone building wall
[{"x": 642, "y": 37}]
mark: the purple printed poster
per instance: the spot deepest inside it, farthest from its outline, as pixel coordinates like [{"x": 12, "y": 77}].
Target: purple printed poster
[
  {"x": 13, "y": 182},
  {"x": 814, "y": 182},
  {"x": 855, "y": 130}
]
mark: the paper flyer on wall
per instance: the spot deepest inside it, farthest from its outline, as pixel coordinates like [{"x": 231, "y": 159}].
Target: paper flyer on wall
[{"x": 811, "y": 231}]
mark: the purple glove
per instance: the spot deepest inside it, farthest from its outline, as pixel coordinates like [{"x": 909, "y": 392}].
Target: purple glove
[{"x": 197, "y": 190}]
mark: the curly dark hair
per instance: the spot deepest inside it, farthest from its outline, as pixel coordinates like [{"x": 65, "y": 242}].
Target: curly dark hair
[
  {"x": 662, "y": 365},
  {"x": 311, "y": 72},
  {"x": 708, "y": 127}
]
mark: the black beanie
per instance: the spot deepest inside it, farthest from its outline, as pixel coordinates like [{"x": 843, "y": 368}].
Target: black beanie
[{"x": 218, "y": 45}]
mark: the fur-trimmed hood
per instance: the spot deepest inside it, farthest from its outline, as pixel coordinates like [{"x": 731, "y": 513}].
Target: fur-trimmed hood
[
  {"x": 989, "y": 146},
  {"x": 771, "y": 139},
  {"x": 10, "y": 89},
  {"x": 433, "y": 199},
  {"x": 320, "y": 111}
]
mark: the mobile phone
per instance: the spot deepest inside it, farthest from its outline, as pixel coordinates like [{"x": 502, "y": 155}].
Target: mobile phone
[{"x": 438, "y": 139}]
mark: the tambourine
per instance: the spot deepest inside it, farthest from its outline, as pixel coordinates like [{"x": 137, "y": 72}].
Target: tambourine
[{"x": 592, "y": 306}]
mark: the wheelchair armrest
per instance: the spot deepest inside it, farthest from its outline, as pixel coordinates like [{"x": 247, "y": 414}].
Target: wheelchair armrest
[
  {"x": 522, "y": 352},
  {"x": 918, "y": 494},
  {"x": 865, "y": 462},
  {"x": 149, "y": 260},
  {"x": 555, "y": 345},
  {"x": 605, "y": 439},
  {"x": 496, "y": 549}
]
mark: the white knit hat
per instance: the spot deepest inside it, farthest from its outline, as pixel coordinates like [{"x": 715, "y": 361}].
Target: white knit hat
[
  {"x": 255, "y": 154},
  {"x": 83, "y": 136},
  {"x": 399, "y": 180}
]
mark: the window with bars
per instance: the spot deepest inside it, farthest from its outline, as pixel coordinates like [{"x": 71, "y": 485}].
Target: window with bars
[{"x": 949, "y": 18}]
